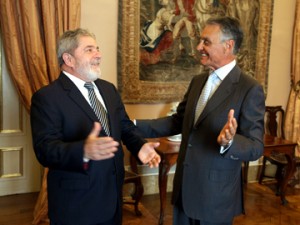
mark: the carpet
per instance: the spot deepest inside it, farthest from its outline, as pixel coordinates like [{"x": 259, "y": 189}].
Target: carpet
[{"x": 130, "y": 218}]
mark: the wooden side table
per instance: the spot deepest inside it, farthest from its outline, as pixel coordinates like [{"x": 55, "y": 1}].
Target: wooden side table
[{"x": 168, "y": 151}]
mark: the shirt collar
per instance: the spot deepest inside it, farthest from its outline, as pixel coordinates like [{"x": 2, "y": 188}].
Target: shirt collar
[
  {"x": 223, "y": 71},
  {"x": 77, "y": 81}
]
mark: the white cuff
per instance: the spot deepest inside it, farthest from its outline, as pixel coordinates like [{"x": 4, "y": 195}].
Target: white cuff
[
  {"x": 223, "y": 149},
  {"x": 86, "y": 159}
]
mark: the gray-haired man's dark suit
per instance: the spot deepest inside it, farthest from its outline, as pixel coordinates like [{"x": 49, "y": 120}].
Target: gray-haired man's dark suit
[{"x": 210, "y": 183}]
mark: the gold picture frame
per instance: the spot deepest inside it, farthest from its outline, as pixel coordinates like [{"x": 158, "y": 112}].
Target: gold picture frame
[{"x": 135, "y": 90}]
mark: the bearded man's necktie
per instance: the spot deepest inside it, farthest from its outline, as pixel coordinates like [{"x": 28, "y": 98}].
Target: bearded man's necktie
[{"x": 97, "y": 107}]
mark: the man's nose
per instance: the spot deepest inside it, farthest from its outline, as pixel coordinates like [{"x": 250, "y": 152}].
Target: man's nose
[
  {"x": 98, "y": 54},
  {"x": 200, "y": 45}
]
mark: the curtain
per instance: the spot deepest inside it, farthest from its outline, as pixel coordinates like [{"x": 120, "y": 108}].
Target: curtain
[
  {"x": 30, "y": 30},
  {"x": 292, "y": 119}
]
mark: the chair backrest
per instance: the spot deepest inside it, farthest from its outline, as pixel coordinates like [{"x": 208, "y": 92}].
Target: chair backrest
[{"x": 274, "y": 118}]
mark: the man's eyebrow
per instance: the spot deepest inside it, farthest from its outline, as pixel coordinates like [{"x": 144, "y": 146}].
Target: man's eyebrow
[
  {"x": 204, "y": 39},
  {"x": 92, "y": 46}
]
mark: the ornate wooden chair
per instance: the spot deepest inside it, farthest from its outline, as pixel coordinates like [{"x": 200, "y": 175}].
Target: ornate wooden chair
[
  {"x": 274, "y": 123},
  {"x": 274, "y": 116},
  {"x": 132, "y": 176}
]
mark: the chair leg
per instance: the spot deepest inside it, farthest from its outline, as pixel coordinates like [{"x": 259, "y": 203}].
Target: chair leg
[
  {"x": 137, "y": 196},
  {"x": 280, "y": 171},
  {"x": 245, "y": 175},
  {"x": 263, "y": 168}
]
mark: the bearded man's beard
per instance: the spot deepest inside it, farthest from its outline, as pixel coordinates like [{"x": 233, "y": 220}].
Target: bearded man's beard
[
  {"x": 93, "y": 74},
  {"x": 90, "y": 73}
]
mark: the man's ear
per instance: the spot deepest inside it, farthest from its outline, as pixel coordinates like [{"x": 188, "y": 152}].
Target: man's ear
[
  {"x": 68, "y": 59},
  {"x": 230, "y": 44}
]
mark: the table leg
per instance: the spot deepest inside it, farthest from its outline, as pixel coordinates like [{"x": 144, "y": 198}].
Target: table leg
[
  {"x": 167, "y": 161},
  {"x": 164, "y": 168},
  {"x": 291, "y": 166}
]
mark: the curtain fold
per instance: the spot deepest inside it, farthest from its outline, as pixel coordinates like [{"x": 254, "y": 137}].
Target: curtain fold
[
  {"x": 292, "y": 119},
  {"x": 30, "y": 30}
]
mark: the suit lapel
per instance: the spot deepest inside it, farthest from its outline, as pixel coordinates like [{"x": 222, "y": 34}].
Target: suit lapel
[
  {"x": 223, "y": 91},
  {"x": 77, "y": 97},
  {"x": 196, "y": 94}
]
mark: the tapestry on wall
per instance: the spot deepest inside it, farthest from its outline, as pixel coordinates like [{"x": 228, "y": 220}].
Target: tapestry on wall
[{"x": 157, "y": 41}]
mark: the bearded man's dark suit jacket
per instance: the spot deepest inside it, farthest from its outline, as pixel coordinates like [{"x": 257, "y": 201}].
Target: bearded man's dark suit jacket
[
  {"x": 210, "y": 183},
  {"x": 61, "y": 120}
]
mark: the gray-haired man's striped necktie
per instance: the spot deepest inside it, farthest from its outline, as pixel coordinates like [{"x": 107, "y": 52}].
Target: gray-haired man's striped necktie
[
  {"x": 205, "y": 95},
  {"x": 97, "y": 107}
]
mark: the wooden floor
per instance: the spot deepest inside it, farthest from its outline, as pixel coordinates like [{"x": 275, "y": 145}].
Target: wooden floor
[{"x": 262, "y": 207}]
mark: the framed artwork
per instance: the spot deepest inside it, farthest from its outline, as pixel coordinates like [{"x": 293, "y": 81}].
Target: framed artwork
[{"x": 157, "y": 42}]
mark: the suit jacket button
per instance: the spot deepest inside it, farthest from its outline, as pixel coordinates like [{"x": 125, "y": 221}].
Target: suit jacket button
[{"x": 234, "y": 158}]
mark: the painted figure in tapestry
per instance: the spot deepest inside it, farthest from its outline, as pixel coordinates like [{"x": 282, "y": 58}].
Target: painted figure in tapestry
[{"x": 170, "y": 31}]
